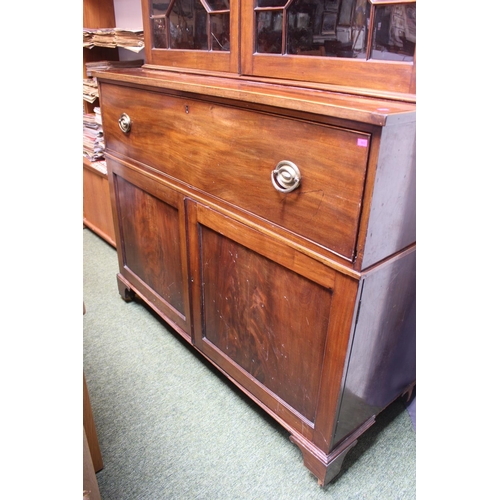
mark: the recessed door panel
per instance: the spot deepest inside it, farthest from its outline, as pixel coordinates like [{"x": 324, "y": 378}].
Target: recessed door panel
[
  {"x": 271, "y": 321},
  {"x": 267, "y": 314},
  {"x": 152, "y": 242}
]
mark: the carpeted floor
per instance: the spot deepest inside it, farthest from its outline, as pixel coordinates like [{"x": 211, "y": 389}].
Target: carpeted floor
[{"x": 171, "y": 427}]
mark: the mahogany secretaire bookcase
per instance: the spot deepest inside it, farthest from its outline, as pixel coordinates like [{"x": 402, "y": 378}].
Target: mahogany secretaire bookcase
[{"x": 262, "y": 174}]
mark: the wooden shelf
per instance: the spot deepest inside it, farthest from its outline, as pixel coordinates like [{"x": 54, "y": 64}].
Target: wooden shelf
[
  {"x": 90, "y": 165},
  {"x": 97, "y": 214}
]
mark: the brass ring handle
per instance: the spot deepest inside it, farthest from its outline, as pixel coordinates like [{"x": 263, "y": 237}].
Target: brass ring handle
[
  {"x": 286, "y": 176},
  {"x": 125, "y": 123}
]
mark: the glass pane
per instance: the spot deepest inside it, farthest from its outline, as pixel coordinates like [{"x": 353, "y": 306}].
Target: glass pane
[
  {"x": 345, "y": 12},
  {"x": 159, "y": 33},
  {"x": 218, "y": 4},
  {"x": 302, "y": 18},
  {"x": 335, "y": 28},
  {"x": 188, "y": 25},
  {"x": 344, "y": 29},
  {"x": 271, "y": 3},
  {"x": 200, "y": 25},
  {"x": 219, "y": 31},
  {"x": 159, "y": 7},
  {"x": 394, "y": 32},
  {"x": 269, "y": 30}
]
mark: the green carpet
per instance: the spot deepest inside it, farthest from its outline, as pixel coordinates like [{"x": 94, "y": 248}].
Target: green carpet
[{"x": 171, "y": 427}]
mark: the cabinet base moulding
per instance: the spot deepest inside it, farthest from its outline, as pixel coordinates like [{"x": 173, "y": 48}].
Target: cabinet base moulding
[{"x": 326, "y": 466}]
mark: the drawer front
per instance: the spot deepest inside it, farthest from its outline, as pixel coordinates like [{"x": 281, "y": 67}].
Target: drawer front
[{"x": 231, "y": 153}]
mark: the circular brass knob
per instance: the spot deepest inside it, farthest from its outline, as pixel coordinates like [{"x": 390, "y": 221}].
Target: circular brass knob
[
  {"x": 125, "y": 123},
  {"x": 286, "y": 176}
]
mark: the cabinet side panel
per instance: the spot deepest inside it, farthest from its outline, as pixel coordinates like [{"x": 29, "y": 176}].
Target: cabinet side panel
[
  {"x": 383, "y": 355},
  {"x": 392, "y": 220}
]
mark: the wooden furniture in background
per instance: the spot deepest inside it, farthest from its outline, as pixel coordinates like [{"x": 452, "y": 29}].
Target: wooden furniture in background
[
  {"x": 90, "y": 485},
  {"x": 90, "y": 430},
  {"x": 92, "y": 459},
  {"x": 264, "y": 205},
  {"x": 96, "y": 199},
  {"x": 97, "y": 214}
]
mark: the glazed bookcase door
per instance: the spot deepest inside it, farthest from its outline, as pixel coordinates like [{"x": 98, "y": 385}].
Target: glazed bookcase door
[
  {"x": 151, "y": 246},
  {"x": 275, "y": 320},
  {"x": 192, "y": 34},
  {"x": 363, "y": 46}
]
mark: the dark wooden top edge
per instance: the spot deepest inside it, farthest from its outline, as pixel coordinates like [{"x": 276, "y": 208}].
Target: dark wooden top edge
[{"x": 370, "y": 110}]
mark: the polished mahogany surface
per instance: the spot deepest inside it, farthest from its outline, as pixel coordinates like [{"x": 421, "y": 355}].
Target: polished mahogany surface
[
  {"x": 195, "y": 142},
  {"x": 264, "y": 204}
]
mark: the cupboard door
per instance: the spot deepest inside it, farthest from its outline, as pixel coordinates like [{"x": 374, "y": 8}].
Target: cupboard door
[
  {"x": 192, "y": 34},
  {"x": 152, "y": 243},
  {"x": 270, "y": 317},
  {"x": 365, "y": 46}
]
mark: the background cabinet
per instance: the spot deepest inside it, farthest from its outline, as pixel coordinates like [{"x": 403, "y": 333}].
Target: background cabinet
[{"x": 97, "y": 214}]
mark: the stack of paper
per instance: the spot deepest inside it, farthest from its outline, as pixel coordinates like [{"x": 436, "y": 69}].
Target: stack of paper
[
  {"x": 131, "y": 39},
  {"x": 102, "y": 65},
  {"x": 88, "y": 36},
  {"x": 104, "y": 37},
  {"x": 90, "y": 89},
  {"x": 93, "y": 139}
]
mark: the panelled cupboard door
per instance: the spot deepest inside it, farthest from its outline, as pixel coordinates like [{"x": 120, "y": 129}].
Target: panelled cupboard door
[
  {"x": 275, "y": 320},
  {"x": 192, "y": 34},
  {"x": 152, "y": 244},
  {"x": 345, "y": 44}
]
